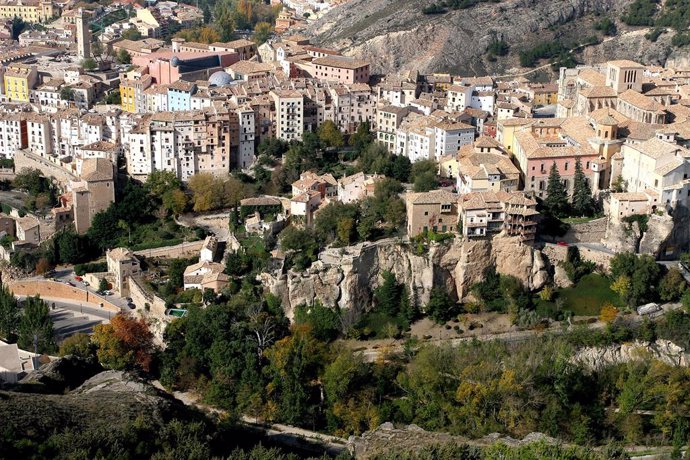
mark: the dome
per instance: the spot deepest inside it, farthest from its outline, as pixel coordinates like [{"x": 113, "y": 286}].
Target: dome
[
  {"x": 175, "y": 61},
  {"x": 220, "y": 78}
]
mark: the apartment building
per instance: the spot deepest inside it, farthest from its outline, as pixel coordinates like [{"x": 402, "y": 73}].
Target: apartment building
[
  {"x": 341, "y": 69},
  {"x": 353, "y": 105},
  {"x": 388, "y": 120},
  {"x": 13, "y": 133},
  {"x": 289, "y": 114},
  {"x": 20, "y": 80},
  {"x": 213, "y": 140},
  {"x": 484, "y": 214}
]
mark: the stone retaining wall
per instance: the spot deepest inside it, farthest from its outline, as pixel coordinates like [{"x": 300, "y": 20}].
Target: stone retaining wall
[
  {"x": 24, "y": 159},
  {"x": 587, "y": 232},
  {"x": 172, "y": 252},
  {"x": 141, "y": 298},
  {"x": 55, "y": 290},
  {"x": 557, "y": 254}
]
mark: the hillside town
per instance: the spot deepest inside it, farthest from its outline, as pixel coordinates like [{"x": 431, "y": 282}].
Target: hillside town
[{"x": 158, "y": 178}]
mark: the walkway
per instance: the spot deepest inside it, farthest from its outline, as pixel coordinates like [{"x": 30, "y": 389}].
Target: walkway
[{"x": 282, "y": 434}]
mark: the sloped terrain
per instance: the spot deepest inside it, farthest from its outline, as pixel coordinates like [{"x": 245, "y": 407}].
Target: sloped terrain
[{"x": 396, "y": 35}]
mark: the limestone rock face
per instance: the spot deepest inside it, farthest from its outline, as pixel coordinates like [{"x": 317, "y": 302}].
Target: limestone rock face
[
  {"x": 596, "y": 358},
  {"x": 659, "y": 229},
  {"x": 560, "y": 278},
  {"x": 347, "y": 277},
  {"x": 621, "y": 237}
]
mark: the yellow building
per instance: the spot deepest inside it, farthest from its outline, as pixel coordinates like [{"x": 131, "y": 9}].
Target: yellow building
[
  {"x": 128, "y": 95},
  {"x": 132, "y": 87},
  {"x": 28, "y": 10},
  {"x": 505, "y": 130},
  {"x": 19, "y": 81}
]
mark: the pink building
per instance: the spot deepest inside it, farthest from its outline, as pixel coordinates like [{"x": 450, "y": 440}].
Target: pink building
[
  {"x": 166, "y": 67},
  {"x": 341, "y": 69}
]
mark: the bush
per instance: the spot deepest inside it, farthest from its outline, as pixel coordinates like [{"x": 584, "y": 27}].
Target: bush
[
  {"x": 498, "y": 48},
  {"x": 654, "y": 34},
  {"x": 640, "y": 13},
  {"x": 95, "y": 267},
  {"x": 607, "y": 26},
  {"x": 434, "y": 9}
]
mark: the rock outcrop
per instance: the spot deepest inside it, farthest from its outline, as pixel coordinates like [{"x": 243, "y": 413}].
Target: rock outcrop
[
  {"x": 60, "y": 375},
  {"x": 395, "y": 34},
  {"x": 347, "y": 277},
  {"x": 412, "y": 438},
  {"x": 596, "y": 358},
  {"x": 108, "y": 401},
  {"x": 622, "y": 236}
]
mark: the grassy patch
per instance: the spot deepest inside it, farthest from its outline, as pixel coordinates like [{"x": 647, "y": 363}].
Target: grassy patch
[
  {"x": 584, "y": 299},
  {"x": 156, "y": 234},
  {"x": 375, "y": 325}
]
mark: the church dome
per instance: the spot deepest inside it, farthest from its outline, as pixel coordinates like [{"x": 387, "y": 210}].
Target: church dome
[{"x": 220, "y": 78}]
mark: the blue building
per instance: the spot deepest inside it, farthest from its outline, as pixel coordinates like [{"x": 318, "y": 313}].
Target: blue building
[{"x": 180, "y": 95}]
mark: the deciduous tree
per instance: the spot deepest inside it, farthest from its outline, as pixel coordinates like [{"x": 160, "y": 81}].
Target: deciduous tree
[{"x": 124, "y": 344}]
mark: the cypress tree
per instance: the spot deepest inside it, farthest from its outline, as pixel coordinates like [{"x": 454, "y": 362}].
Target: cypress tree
[
  {"x": 556, "y": 202},
  {"x": 583, "y": 205}
]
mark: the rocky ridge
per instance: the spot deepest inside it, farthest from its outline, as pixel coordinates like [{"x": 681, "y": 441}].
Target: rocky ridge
[
  {"x": 347, "y": 277},
  {"x": 596, "y": 358},
  {"x": 412, "y": 438},
  {"x": 395, "y": 35}
]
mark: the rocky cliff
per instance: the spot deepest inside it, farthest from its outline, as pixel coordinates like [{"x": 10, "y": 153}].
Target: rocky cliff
[
  {"x": 596, "y": 358},
  {"x": 346, "y": 277},
  {"x": 396, "y": 35}
]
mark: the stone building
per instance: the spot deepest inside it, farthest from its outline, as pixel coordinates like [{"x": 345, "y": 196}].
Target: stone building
[{"x": 93, "y": 193}]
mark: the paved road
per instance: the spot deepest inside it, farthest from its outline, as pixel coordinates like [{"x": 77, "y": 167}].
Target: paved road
[
  {"x": 66, "y": 274},
  {"x": 67, "y": 323},
  {"x": 676, "y": 264},
  {"x": 76, "y": 307}
]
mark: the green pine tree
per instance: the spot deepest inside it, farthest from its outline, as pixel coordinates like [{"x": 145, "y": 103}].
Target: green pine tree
[
  {"x": 388, "y": 294},
  {"x": 36, "y": 327},
  {"x": 556, "y": 202},
  {"x": 583, "y": 204}
]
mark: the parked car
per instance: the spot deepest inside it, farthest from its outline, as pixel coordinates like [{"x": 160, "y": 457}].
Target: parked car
[
  {"x": 71, "y": 283},
  {"x": 107, "y": 293},
  {"x": 562, "y": 243},
  {"x": 86, "y": 283},
  {"x": 78, "y": 278},
  {"x": 131, "y": 306}
]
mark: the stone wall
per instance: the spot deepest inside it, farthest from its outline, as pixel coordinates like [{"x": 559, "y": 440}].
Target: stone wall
[
  {"x": 141, "y": 297},
  {"x": 59, "y": 291},
  {"x": 172, "y": 252},
  {"x": 587, "y": 232},
  {"x": 24, "y": 159},
  {"x": 556, "y": 254},
  {"x": 155, "y": 313}
]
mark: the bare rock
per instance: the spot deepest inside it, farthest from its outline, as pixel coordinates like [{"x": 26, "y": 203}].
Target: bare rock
[
  {"x": 560, "y": 278},
  {"x": 596, "y": 358}
]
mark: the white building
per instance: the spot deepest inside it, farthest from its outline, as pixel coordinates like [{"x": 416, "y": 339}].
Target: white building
[
  {"x": 289, "y": 110},
  {"x": 659, "y": 168}
]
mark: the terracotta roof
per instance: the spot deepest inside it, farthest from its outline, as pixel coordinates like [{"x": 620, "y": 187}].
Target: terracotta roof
[
  {"x": 340, "y": 62},
  {"x": 640, "y": 101},
  {"x": 432, "y": 197}
]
